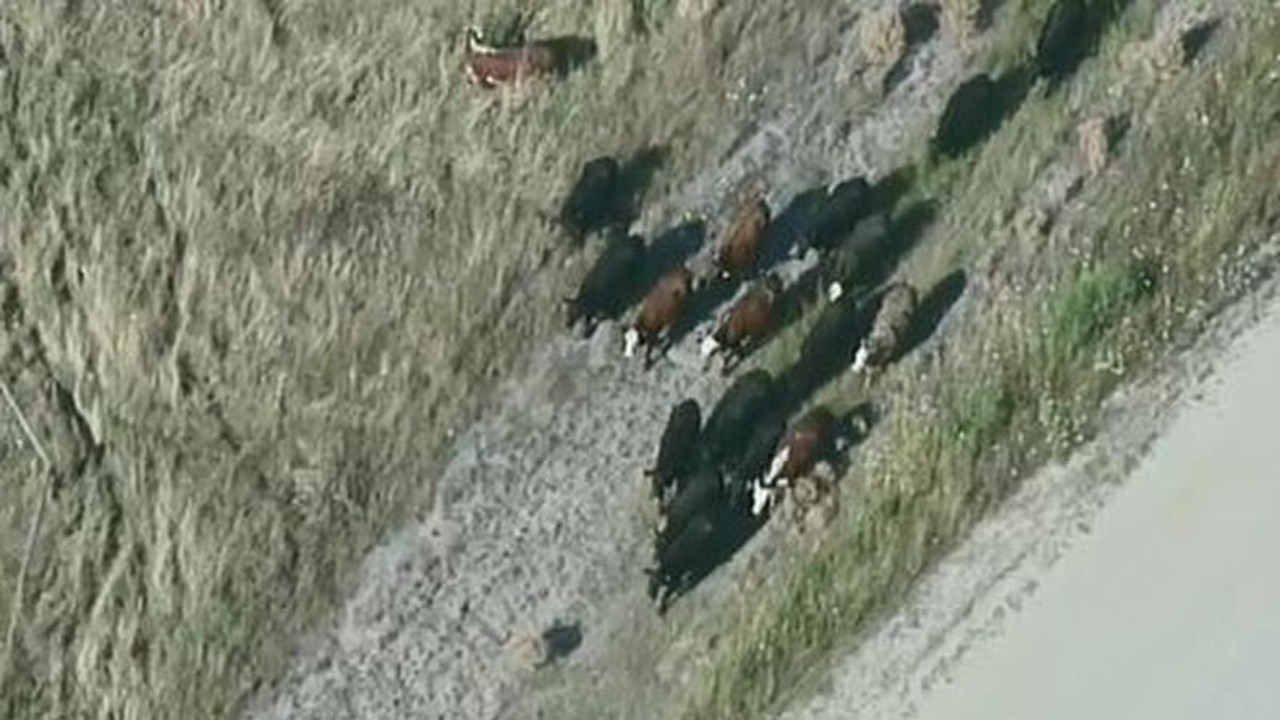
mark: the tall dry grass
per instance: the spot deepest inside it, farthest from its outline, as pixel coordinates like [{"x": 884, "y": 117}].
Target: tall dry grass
[{"x": 256, "y": 260}]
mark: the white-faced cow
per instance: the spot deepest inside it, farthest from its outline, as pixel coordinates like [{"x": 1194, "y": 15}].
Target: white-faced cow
[
  {"x": 890, "y": 328},
  {"x": 810, "y": 440},
  {"x": 744, "y": 325},
  {"x": 488, "y": 66}
]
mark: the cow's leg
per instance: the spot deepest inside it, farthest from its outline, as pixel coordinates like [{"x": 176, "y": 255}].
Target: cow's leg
[{"x": 732, "y": 358}]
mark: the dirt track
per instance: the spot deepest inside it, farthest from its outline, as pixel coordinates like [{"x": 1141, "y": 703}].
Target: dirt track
[{"x": 540, "y": 514}]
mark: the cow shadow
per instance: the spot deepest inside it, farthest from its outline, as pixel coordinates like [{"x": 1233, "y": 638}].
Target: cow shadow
[
  {"x": 571, "y": 52},
  {"x": 786, "y": 234},
  {"x": 816, "y": 218},
  {"x": 671, "y": 249},
  {"x": 703, "y": 303},
  {"x": 635, "y": 177},
  {"x": 855, "y": 424},
  {"x": 890, "y": 189},
  {"x": 1071, "y": 33},
  {"x": 1197, "y": 38},
  {"x": 562, "y": 639},
  {"x": 977, "y": 108},
  {"x": 933, "y": 308},
  {"x": 607, "y": 193},
  {"x": 920, "y": 20}
]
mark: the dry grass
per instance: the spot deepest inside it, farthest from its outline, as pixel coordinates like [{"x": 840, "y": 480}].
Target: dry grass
[
  {"x": 257, "y": 260},
  {"x": 882, "y": 37},
  {"x": 964, "y": 18},
  {"x": 1151, "y": 252}
]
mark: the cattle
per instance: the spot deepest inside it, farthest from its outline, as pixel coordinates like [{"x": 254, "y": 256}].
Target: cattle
[
  {"x": 744, "y": 324},
  {"x": 828, "y": 347},
  {"x": 752, "y": 462},
  {"x": 737, "y": 253},
  {"x": 592, "y": 201},
  {"x": 662, "y": 307},
  {"x": 889, "y": 329},
  {"x": 608, "y": 285},
  {"x": 688, "y": 553},
  {"x": 852, "y": 266},
  {"x": 811, "y": 439},
  {"x": 488, "y": 67},
  {"x": 845, "y": 204},
  {"x": 703, "y": 490},
  {"x": 676, "y": 448},
  {"x": 729, "y": 426}
]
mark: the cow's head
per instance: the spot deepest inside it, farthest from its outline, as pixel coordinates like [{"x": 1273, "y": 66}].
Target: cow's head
[
  {"x": 630, "y": 341},
  {"x": 761, "y": 497},
  {"x": 779, "y": 461},
  {"x": 473, "y": 42},
  {"x": 861, "y": 357},
  {"x": 708, "y": 347}
]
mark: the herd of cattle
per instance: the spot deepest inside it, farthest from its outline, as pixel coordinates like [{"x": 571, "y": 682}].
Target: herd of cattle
[{"x": 715, "y": 479}]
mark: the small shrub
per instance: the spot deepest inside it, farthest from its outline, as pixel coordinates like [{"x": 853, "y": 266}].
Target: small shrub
[{"x": 1093, "y": 303}]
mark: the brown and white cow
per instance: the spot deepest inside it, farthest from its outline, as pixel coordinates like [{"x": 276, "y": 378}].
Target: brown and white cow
[
  {"x": 812, "y": 439},
  {"x": 747, "y": 321},
  {"x": 662, "y": 308},
  {"x": 489, "y": 67},
  {"x": 737, "y": 254},
  {"x": 889, "y": 329}
]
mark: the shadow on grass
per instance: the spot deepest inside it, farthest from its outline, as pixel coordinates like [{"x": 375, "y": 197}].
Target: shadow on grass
[{"x": 977, "y": 108}]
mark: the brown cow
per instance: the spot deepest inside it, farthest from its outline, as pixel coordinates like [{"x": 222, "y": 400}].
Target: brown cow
[
  {"x": 738, "y": 252},
  {"x": 890, "y": 328},
  {"x": 661, "y": 308},
  {"x": 747, "y": 321},
  {"x": 488, "y": 66},
  {"x": 811, "y": 439}
]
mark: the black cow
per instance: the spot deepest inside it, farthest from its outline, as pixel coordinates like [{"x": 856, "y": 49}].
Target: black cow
[
  {"x": 702, "y": 491},
  {"x": 854, "y": 264},
  {"x": 609, "y": 285},
  {"x": 593, "y": 201},
  {"x": 828, "y": 347},
  {"x": 846, "y": 204},
  {"x": 677, "y": 447},
  {"x": 729, "y": 426},
  {"x": 690, "y": 554},
  {"x": 753, "y": 460}
]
